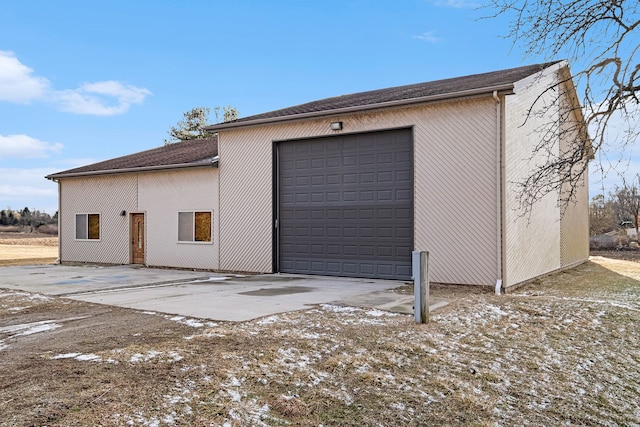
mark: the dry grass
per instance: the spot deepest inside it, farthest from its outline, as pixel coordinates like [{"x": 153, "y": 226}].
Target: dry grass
[
  {"x": 27, "y": 249},
  {"x": 561, "y": 351},
  {"x": 20, "y": 239}
]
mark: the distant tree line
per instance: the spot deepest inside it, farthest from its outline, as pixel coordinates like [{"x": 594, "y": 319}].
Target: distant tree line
[
  {"x": 27, "y": 218},
  {"x": 621, "y": 209}
]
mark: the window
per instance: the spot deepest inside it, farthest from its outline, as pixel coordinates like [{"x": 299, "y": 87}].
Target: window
[
  {"x": 87, "y": 226},
  {"x": 194, "y": 226}
]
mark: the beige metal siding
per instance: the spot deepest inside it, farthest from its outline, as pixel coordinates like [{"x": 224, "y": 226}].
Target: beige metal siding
[
  {"x": 108, "y": 196},
  {"x": 161, "y": 196},
  {"x": 455, "y": 186},
  {"x": 532, "y": 240},
  {"x": 574, "y": 225}
]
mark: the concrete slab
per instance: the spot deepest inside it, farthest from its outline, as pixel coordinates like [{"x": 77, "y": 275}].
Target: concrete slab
[{"x": 203, "y": 295}]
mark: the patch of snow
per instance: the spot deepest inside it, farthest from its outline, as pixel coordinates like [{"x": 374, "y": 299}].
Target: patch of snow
[
  {"x": 398, "y": 405},
  {"x": 378, "y": 313},
  {"x": 234, "y": 394},
  {"x": 338, "y": 308},
  {"x": 175, "y": 356},
  {"x": 19, "y": 308},
  {"x": 66, "y": 356},
  {"x": 303, "y": 362},
  {"x": 194, "y": 323},
  {"x": 30, "y": 328},
  {"x": 173, "y": 400},
  {"x": 268, "y": 320},
  {"x": 26, "y": 295},
  {"x": 310, "y": 335},
  {"x": 318, "y": 377},
  {"x": 370, "y": 321},
  {"x": 38, "y": 297},
  {"x": 139, "y": 357},
  {"x": 40, "y": 328},
  {"x": 363, "y": 368},
  {"x": 89, "y": 357}
]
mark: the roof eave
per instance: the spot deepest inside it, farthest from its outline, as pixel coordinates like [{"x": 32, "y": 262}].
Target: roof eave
[
  {"x": 503, "y": 89},
  {"x": 209, "y": 163}
]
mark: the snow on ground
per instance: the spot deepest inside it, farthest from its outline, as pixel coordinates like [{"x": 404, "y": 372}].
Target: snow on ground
[
  {"x": 540, "y": 356},
  {"x": 194, "y": 323},
  {"x": 29, "y": 328}
]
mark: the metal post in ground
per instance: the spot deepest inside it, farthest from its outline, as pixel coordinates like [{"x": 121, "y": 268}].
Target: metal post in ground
[{"x": 420, "y": 265}]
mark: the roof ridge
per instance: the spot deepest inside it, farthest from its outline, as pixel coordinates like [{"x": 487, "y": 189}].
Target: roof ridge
[{"x": 441, "y": 87}]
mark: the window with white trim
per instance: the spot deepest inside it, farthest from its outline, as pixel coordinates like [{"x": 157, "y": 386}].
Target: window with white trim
[
  {"x": 88, "y": 226},
  {"x": 195, "y": 226}
]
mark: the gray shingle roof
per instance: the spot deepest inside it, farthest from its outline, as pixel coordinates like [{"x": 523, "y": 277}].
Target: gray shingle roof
[
  {"x": 366, "y": 100},
  {"x": 200, "y": 152},
  {"x": 182, "y": 154}
]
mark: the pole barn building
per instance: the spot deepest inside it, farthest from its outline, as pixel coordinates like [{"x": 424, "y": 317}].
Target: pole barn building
[{"x": 347, "y": 186}]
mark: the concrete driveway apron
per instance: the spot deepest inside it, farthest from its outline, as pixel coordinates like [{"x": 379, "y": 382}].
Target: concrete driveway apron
[{"x": 200, "y": 294}]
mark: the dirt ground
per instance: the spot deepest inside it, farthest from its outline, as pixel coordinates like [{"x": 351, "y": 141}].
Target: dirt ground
[{"x": 563, "y": 350}]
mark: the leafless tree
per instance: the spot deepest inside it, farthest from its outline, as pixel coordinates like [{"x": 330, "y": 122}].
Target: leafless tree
[
  {"x": 600, "y": 38},
  {"x": 194, "y": 121},
  {"x": 627, "y": 202},
  {"x": 602, "y": 215}
]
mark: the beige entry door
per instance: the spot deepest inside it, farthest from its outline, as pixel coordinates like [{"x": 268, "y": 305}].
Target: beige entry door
[{"x": 137, "y": 238}]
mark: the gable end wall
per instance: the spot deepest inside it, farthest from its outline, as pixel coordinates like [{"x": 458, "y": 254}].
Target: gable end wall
[{"x": 544, "y": 240}]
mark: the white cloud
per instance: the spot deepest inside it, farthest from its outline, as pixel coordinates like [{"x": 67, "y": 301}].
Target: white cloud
[
  {"x": 26, "y": 147},
  {"x": 28, "y": 188},
  {"x": 428, "y": 36},
  {"x": 17, "y": 82},
  {"x": 457, "y": 4},
  {"x": 100, "y": 99}
]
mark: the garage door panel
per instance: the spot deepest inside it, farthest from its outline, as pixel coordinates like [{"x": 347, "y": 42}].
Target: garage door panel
[
  {"x": 349, "y": 202},
  {"x": 338, "y": 267}
]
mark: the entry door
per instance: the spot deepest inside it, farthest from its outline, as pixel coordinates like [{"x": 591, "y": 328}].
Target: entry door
[
  {"x": 137, "y": 238},
  {"x": 346, "y": 205}
]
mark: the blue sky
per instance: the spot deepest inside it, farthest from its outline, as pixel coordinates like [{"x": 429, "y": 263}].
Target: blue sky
[{"x": 84, "y": 81}]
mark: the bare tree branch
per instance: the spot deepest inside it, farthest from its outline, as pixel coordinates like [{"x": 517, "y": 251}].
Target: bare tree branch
[{"x": 601, "y": 38}]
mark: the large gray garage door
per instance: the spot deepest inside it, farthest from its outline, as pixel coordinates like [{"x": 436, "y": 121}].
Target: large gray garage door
[{"x": 345, "y": 205}]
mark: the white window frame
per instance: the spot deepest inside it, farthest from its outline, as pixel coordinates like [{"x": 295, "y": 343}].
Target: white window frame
[
  {"x": 193, "y": 227},
  {"x": 75, "y": 226}
]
